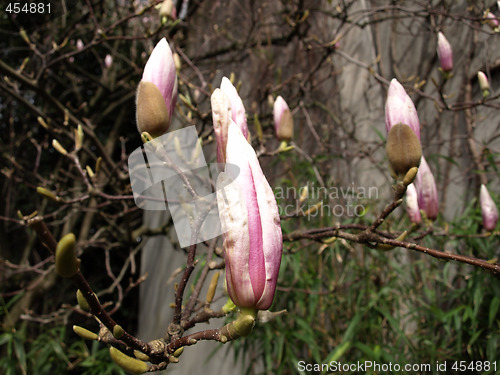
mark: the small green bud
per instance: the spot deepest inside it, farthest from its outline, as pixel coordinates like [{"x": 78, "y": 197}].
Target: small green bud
[
  {"x": 243, "y": 325},
  {"x": 67, "y": 264},
  {"x": 78, "y": 137},
  {"x": 212, "y": 287},
  {"x": 403, "y": 150},
  {"x": 228, "y": 307},
  {"x": 47, "y": 194},
  {"x": 386, "y": 247},
  {"x": 410, "y": 176},
  {"x": 132, "y": 365},
  {"x": 118, "y": 332},
  {"x": 178, "y": 352},
  {"x": 82, "y": 302},
  {"x": 85, "y": 333},
  {"x": 59, "y": 147},
  {"x": 141, "y": 355}
]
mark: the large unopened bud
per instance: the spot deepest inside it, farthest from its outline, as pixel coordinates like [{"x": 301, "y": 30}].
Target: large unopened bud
[
  {"x": 399, "y": 108},
  {"x": 489, "y": 209},
  {"x": 251, "y": 223},
  {"x": 427, "y": 190},
  {"x": 283, "y": 120},
  {"x": 403, "y": 150},
  {"x": 157, "y": 91},
  {"x": 445, "y": 53}
]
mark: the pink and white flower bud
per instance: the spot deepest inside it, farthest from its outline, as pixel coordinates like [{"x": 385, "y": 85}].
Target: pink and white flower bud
[
  {"x": 426, "y": 190},
  {"x": 445, "y": 53},
  {"x": 249, "y": 215},
  {"x": 491, "y": 20},
  {"x": 399, "y": 108},
  {"x": 283, "y": 120},
  {"x": 483, "y": 82},
  {"x": 79, "y": 45},
  {"x": 412, "y": 208},
  {"x": 238, "y": 113},
  {"x": 168, "y": 10},
  {"x": 158, "y": 84},
  {"x": 489, "y": 209},
  {"x": 108, "y": 61}
]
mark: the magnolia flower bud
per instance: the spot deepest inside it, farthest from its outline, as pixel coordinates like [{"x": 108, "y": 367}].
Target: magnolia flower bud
[
  {"x": 283, "y": 120},
  {"x": 157, "y": 92},
  {"x": 250, "y": 220},
  {"x": 483, "y": 83},
  {"x": 412, "y": 208},
  {"x": 491, "y": 20},
  {"x": 79, "y": 45},
  {"x": 403, "y": 150},
  {"x": 445, "y": 54},
  {"x": 426, "y": 190},
  {"x": 238, "y": 113},
  {"x": 399, "y": 108},
  {"x": 152, "y": 114},
  {"x": 108, "y": 61},
  {"x": 167, "y": 9},
  {"x": 489, "y": 209}
]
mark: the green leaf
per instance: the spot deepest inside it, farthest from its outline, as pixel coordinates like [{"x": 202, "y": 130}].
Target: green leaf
[
  {"x": 494, "y": 305},
  {"x": 20, "y": 353}
]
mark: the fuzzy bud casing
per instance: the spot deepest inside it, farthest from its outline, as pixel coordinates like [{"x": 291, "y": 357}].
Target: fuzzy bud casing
[{"x": 403, "y": 150}]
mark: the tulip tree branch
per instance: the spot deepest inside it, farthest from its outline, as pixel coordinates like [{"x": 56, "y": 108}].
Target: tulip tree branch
[
  {"x": 370, "y": 238},
  {"x": 80, "y": 281},
  {"x": 115, "y": 335}
]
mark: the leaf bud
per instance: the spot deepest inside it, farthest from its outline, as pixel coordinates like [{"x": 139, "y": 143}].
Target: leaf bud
[
  {"x": 67, "y": 264},
  {"x": 132, "y": 365}
]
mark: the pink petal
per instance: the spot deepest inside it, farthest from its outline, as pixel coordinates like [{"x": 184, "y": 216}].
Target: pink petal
[{"x": 399, "y": 108}]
